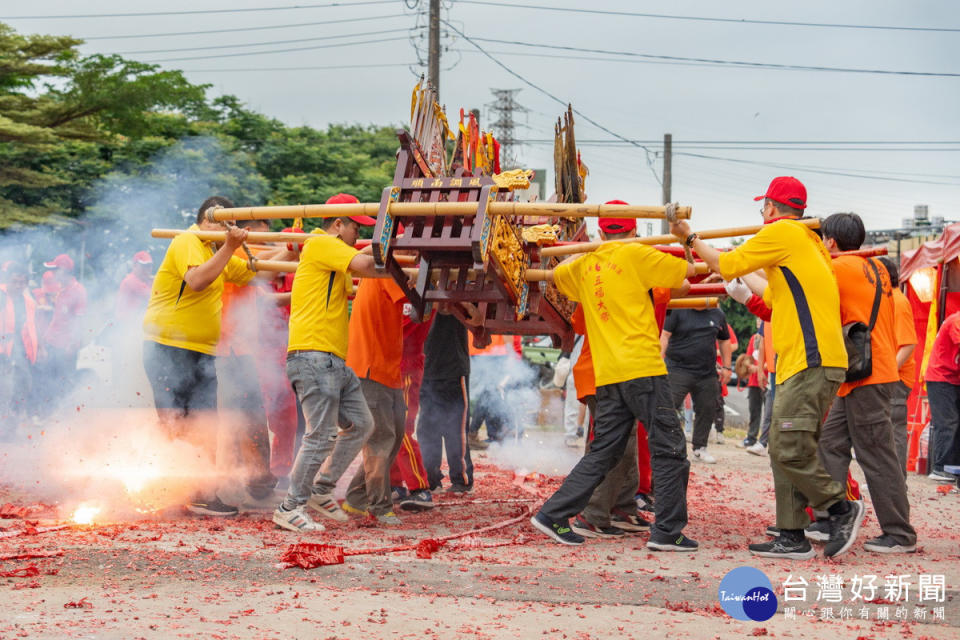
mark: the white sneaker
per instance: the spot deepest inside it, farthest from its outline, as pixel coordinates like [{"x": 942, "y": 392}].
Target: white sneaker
[
  {"x": 757, "y": 449},
  {"x": 719, "y": 438},
  {"x": 325, "y": 505},
  {"x": 296, "y": 520},
  {"x": 703, "y": 456}
]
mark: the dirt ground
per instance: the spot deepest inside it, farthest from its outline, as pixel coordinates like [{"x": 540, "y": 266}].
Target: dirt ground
[{"x": 170, "y": 575}]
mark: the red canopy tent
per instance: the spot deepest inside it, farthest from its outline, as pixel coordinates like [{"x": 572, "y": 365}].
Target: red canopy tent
[{"x": 930, "y": 272}]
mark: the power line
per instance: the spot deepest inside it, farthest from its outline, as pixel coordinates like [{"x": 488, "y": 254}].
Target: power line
[
  {"x": 661, "y": 16},
  {"x": 767, "y": 142},
  {"x": 263, "y": 44},
  {"x": 812, "y": 170},
  {"x": 315, "y": 68},
  {"x": 530, "y": 84},
  {"x": 199, "y": 11},
  {"x": 719, "y": 62},
  {"x": 241, "y": 29},
  {"x": 617, "y": 143},
  {"x": 295, "y": 49}
]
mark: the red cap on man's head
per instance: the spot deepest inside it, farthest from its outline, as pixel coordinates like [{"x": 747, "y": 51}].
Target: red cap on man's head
[
  {"x": 786, "y": 190},
  {"x": 346, "y": 198},
  {"x": 617, "y": 225},
  {"x": 62, "y": 261},
  {"x": 142, "y": 257}
]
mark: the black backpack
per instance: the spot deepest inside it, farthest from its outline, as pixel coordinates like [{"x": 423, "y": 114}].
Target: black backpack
[{"x": 856, "y": 338}]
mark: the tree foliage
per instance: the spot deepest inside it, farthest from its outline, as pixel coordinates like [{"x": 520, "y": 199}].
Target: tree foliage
[{"x": 78, "y": 132}]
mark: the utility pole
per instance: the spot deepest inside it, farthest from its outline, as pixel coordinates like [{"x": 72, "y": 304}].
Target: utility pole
[
  {"x": 433, "y": 63},
  {"x": 667, "y": 176},
  {"x": 504, "y": 126}
]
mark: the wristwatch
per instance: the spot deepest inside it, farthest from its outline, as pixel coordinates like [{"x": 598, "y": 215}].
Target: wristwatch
[{"x": 690, "y": 239}]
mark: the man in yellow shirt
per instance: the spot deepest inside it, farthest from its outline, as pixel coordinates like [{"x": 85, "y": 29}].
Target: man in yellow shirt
[
  {"x": 801, "y": 290},
  {"x": 327, "y": 389},
  {"x": 181, "y": 330},
  {"x": 613, "y": 284}
]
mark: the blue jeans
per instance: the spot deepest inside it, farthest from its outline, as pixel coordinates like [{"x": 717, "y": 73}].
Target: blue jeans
[{"x": 338, "y": 422}]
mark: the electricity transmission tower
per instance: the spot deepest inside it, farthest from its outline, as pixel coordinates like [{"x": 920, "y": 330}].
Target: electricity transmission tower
[{"x": 503, "y": 125}]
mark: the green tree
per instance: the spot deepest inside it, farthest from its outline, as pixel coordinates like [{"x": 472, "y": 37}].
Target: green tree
[{"x": 62, "y": 115}]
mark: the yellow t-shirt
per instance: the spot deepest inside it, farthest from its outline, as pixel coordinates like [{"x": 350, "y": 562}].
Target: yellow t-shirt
[
  {"x": 318, "y": 302},
  {"x": 801, "y": 293},
  {"x": 178, "y": 316},
  {"x": 612, "y": 284}
]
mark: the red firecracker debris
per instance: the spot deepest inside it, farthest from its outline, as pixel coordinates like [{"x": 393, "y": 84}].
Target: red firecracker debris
[
  {"x": 427, "y": 547},
  {"x": 28, "y": 571},
  {"x": 308, "y": 555},
  {"x": 82, "y": 603}
]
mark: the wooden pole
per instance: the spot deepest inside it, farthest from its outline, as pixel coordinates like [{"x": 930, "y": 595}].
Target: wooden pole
[
  {"x": 667, "y": 176},
  {"x": 405, "y": 209},
  {"x": 255, "y": 237},
  {"x": 709, "y": 234},
  {"x": 693, "y": 303}
]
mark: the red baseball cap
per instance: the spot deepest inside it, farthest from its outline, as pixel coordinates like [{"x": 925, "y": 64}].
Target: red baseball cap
[
  {"x": 142, "y": 257},
  {"x": 62, "y": 261},
  {"x": 786, "y": 190},
  {"x": 294, "y": 230},
  {"x": 617, "y": 225},
  {"x": 346, "y": 198}
]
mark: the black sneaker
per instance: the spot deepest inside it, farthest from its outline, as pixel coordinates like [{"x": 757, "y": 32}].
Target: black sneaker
[
  {"x": 588, "y": 530},
  {"x": 773, "y": 532},
  {"x": 844, "y": 529},
  {"x": 680, "y": 542},
  {"x": 783, "y": 547},
  {"x": 644, "y": 502},
  {"x": 629, "y": 522},
  {"x": 398, "y": 494},
  {"x": 456, "y": 487},
  {"x": 559, "y": 531},
  {"x": 212, "y": 507},
  {"x": 419, "y": 500},
  {"x": 888, "y": 544},
  {"x": 818, "y": 531}
]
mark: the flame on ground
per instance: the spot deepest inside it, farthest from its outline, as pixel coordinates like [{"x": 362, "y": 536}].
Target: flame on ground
[{"x": 85, "y": 514}]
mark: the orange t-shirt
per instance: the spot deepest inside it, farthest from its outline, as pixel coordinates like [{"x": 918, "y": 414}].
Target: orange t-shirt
[
  {"x": 906, "y": 335},
  {"x": 857, "y": 285},
  {"x": 375, "y": 346},
  {"x": 583, "y": 378},
  {"x": 239, "y": 326}
]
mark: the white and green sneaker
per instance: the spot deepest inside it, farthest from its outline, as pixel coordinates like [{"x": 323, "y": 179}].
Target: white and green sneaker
[{"x": 296, "y": 520}]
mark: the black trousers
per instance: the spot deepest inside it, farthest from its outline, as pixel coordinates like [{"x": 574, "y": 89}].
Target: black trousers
[
  {"x": 704, "y": 391},
  {"x": 944, "y": 441},
  {"x": 442, "y": 426},
  {"x": 619, "y": 406}
]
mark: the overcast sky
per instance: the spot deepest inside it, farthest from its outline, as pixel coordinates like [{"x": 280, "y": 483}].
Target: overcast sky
[{"x": 635, "y": 97}]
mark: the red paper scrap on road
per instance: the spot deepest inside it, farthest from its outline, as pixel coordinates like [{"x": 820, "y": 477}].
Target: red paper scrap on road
[{"x": 28, "y": 571}]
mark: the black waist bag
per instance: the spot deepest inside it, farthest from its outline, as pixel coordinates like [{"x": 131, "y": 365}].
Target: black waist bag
[{"x": 856, "y": 338}]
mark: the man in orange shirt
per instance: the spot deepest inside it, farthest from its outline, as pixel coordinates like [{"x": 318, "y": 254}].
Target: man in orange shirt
[
  {"x": 374, "y": 353},
  {"x": 860, "y": 415},
  {"x": 240, "y": 401},
  {"x": 906, "y": 345},
  {"x": 18, "y": 347}
]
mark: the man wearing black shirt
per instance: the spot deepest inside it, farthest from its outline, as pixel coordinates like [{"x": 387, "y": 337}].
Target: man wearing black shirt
[
  {"x": 689, "y": 344},
  {"x": 445, "y": 404}
]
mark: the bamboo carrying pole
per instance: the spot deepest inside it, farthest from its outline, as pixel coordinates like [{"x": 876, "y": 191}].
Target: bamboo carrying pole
[
  {"x": 708, "y": 234},
  {"x": 530, "y": 275},
  {"x": 255, "y": 237},
  {"x": 549, "y": 209},
  {"x": 693, "y": 303}
]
